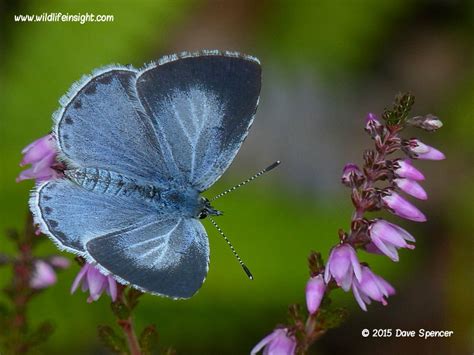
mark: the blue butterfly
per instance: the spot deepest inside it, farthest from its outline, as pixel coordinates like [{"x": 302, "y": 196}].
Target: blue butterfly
[{"x": 140, "y": 146}]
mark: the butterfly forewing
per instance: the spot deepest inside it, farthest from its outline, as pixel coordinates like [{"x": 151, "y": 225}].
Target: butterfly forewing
[{"x": 201, "y": 108}]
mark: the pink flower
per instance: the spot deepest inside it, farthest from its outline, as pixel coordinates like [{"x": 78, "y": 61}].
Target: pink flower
[
  {"x": 342, "y": 265},
  {"x": 94, "y": 281},
  {"x": 411, "y": 187},
  {"x": 41, "y": 154},
  {"x": 371, "y": 286},
  {"x": 419, "y": 150},
  {"x": 276, "y": 343},
  {"x": 315, "y": 289},
  {"x": 386, "y": 238},
  {"x": 43, "y": 275},
  {"x": 405, "y": 169},
  {"x": 402, "y": 208}
]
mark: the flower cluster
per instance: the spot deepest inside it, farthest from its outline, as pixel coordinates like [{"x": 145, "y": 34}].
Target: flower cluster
[{"x": 381, "y": 183}]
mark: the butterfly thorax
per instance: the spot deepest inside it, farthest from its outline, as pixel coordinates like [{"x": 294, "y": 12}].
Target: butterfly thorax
[{"x": 186, "y": 203}]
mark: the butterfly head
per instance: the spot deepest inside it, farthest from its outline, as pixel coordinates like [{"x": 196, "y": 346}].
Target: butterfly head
[{"x": 206, "y": 209}]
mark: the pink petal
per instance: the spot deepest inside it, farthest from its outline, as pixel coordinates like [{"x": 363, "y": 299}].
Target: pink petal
[
  {"x": 264, "y": 341},
  {"x": 358, "y": 297},
  {"x": 79, "y": 278},
  {"x": 96, "y": 282},
  {"x": 112, "y": 288}
]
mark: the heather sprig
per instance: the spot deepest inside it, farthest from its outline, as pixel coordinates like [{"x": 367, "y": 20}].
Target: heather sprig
[
  {"x": 31, "y": 276},
  {"x": 380, "y": 183}
]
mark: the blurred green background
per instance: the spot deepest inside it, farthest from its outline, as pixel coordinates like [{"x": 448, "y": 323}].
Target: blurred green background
[{"x": 325, "y": 65}]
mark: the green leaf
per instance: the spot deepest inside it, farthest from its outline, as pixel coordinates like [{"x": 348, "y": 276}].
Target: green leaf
[
  {"x": 40, "y": 334},
  {"x": 112, "y": 341},
  {"x": 332, "y": 318},
  {"x": 398, "y": 114},
  {"x": 120, "y": 309},
  {"x": 148, "y": 339},
  {"x": 132, "y": 297}
]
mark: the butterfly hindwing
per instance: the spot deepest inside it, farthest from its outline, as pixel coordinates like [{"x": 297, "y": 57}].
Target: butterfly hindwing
[
  {"x": 167, "y": 257},
  {"x": 201, "y": 107},
  {"x": 72, "y": 215}
]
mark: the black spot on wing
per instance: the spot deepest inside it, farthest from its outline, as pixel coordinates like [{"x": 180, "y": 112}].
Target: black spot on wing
[
  {"x": 105, "y": 79},
  {"x": 77, "y": 103},
  {"x": 91, "y": 88},
  {"x": 68, "y": 120}
]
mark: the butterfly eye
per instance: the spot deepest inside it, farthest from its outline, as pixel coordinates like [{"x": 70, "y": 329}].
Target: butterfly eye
[{"x": 202, "y": 214}]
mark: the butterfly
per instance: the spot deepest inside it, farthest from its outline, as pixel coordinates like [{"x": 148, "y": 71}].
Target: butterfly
[{"x": 140, "y": 146}]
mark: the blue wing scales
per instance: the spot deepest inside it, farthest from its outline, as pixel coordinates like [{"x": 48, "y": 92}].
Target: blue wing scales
[
  {"x": 168, "y": 257},
  {"x": 72, "y": 215},
  {"x": 202, "y": 107}
]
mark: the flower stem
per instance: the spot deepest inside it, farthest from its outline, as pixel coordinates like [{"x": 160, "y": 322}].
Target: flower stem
[
  {"x": 128, "y": 330},
  {"x": 126, "y": 323}
]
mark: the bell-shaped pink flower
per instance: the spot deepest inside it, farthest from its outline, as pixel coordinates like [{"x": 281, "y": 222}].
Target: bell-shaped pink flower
[
  {"x": 41, "y": 154},
  {"x": 43, "y": 275},
  {"x": 405, "y": 169},
  {"x": 96, "y": 282},
  {"x": 386, "y": 238},
  {"x": 411, "y": 187},
  {"x": 371, "y": 286},
  {"x": 402, "y": 208},
  {"x": 279, "y": 342},
  {"x": 315, "y": 289},
  {"x": 419, "y": 150},
  {"x": 342, "y": 265}
]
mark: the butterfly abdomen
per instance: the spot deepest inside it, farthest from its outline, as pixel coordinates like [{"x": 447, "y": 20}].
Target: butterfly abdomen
[{"x": 111, "y": 183}]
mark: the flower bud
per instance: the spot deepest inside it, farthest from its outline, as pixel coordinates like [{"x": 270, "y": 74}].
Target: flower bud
[
  {"x": 402, "y": 208},
  {"x": 418, "y": 150},
  {"x": 373, "y": 126},
  {"x": 351, "y": 175},
  {"x": 429, "y": 122},
  {"x": 315, "y": 289},
  {"x": 404, "y": 169},
  {"x": 411, "y": 187}
]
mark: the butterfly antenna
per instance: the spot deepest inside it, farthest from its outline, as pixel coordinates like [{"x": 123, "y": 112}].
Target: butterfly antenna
[
  {"x": 246, "y": 269},
  {"x": 260, "y": 173}
]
